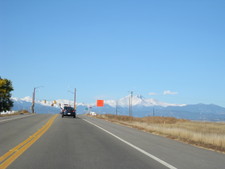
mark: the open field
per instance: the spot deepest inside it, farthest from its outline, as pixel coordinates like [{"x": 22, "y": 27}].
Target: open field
[{"x": 210, "y": 135}]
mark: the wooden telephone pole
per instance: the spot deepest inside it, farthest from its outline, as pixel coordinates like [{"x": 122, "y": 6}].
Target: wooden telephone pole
[
  {"x": 116, "y": 107},
  {"x": 33, "y": 99},
  {"x": 75, "y": 95},
  {"x": 130, "y": 103}
]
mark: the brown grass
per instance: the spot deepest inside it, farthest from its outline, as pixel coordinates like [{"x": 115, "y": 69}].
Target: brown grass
[
  {"x": 209, "y": 135},
  {"x": 16, "y": 113}
]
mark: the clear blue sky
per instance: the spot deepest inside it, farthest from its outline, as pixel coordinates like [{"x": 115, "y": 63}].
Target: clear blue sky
[{"x": 107, "y": 48}]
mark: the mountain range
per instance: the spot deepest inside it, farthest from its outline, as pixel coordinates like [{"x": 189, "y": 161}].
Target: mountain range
[{"x": 140, "y": 107}]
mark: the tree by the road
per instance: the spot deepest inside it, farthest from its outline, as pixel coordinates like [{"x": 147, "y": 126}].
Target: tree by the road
[{"x": 5, "y": 88}]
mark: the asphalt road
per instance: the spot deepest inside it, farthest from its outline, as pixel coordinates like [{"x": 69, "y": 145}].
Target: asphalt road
[{"x": 92, "y": 143}]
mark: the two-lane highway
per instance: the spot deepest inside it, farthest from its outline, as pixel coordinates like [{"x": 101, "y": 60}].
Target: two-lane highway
[
  {"x": 14, "y": 130},
  {"x": 92, "y": 143}
]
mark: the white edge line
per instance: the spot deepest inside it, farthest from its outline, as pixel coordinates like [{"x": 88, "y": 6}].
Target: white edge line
[
  {"x": 135, "y": 147},
  {"x": 15, "y": 118}
]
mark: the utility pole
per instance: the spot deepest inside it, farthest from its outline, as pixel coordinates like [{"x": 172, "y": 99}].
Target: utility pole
[
  {"x": 33, "y": 99},
  {"x": 130, "y": 103},
  {"x": 75, "y": 95},
  {"x": 116, "y": 107}
]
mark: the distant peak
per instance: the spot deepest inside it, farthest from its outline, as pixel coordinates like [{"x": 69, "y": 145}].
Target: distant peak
[
  {"x": 140, "y": 96},
  {"x": 26, "y": 99}
]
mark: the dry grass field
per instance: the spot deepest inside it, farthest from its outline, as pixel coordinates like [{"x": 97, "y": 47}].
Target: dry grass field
[{"x": 210, "y": 135}]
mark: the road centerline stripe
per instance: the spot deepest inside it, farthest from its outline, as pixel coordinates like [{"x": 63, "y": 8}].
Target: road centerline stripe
[
  {"x": 133, "y": 146},
  {"x": 15, "y": 152}
]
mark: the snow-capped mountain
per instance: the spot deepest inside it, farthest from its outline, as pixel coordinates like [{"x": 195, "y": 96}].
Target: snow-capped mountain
[
  {"x": 138, "y": 100},
  {"x": 43, "y": 106},
  {"x": 40, "y": 107},
  {"x": 140, "y": 107},
  {"x": 26, "y": 99}
]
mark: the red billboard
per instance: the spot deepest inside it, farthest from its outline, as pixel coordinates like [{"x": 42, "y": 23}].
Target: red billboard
[{"x": 100, "y": 103}]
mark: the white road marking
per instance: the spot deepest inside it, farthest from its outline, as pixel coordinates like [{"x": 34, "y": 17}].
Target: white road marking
[
  {"x": 23, "y": 116},
  {"x": 135, "y": 147}
]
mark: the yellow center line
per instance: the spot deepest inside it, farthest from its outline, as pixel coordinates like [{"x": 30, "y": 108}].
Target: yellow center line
[
  {"x": 22, "y": 147},
  {"x": 2, "y": 158}
]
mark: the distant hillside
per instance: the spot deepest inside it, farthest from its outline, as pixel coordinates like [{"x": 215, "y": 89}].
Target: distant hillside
[
  {"x": 193, "y": 112},
  {"x": 141, "y": 107},
  {"x": 25, "y": 104}
]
